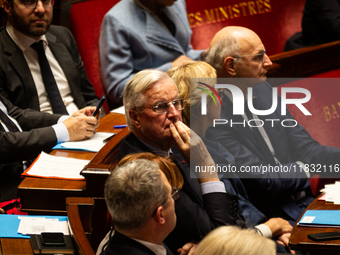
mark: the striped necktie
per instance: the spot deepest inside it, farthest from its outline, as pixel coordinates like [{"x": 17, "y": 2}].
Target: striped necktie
[{"x": 8, "y": 122}]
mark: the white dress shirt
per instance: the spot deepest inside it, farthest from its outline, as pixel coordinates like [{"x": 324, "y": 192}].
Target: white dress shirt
[{"x": 24, "y": 42}]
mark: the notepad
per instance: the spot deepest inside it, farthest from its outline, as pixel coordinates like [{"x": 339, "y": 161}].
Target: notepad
[
  {"x": 93, "y": 144},
  {"x": 320, "y": 218},
  {"x": 49, "y": 166}
]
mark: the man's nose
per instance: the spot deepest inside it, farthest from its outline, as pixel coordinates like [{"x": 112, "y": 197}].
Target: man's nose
[
  {"x": 266, "y": 61},
  {"x": 40, "y": 7},
  {"x": 172, "y": 112}
]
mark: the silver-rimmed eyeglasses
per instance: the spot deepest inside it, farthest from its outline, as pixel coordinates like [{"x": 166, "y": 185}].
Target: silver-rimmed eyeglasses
[
  {"x": 175, "y": 192},
  {"x": 32, "y": 4},
  {"x": 257, "y": 57},
  {"x": 163, "y": 107}
]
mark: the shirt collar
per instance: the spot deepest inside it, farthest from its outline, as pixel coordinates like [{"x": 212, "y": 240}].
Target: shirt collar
[
  {"x": 21, "y": 40},
  {"x": 156, "y": 248}
]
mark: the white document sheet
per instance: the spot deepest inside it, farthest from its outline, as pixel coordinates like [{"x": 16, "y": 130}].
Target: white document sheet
[
  {"x": 332, "y": 193},
  {"x": 120, "y": 110},
  {"x": 94, "y": 144},
  {"x": 53, "y": 166},
  {"x": 36, "y": 225}
]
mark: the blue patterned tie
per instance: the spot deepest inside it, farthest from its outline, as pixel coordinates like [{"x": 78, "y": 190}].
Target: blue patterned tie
[{"x": 49, "y": 81}]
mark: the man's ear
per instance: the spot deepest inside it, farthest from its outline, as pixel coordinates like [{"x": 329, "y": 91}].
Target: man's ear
[
  {"x": 7, "y": 7},
  {"x": 134, "y": 118},
  {"x": 229, "y": 66},
  {"x": 159, "y": 216}
]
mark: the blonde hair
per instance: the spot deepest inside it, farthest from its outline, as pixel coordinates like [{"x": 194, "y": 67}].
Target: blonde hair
[
  {"x": 181, "y": 76},
  {"x": 231, "y": 240}
]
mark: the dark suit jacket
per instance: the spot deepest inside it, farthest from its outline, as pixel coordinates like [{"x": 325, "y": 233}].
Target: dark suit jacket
[
  {"x": 320, "y": 24},
  {"x": 290, "y": 144},
  {"x": 122, "y": 245},
  {"x": 233, "y": 184},
  {"x": 16, "y": 81},
  {"x": 16, "y": 147},
  {"x": 197, "y": 215}
]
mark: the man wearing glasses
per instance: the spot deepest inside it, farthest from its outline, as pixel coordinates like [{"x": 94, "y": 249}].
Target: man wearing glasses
[
  {"x": 141, "y": 201},
  {"x": 239, "y": 54},
  {"x": 40, "y": 66},
  {"x": 153, "y": 113}
]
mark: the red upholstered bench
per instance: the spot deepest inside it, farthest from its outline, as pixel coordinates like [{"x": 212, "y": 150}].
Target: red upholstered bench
[
  {"x": 314, "y": 62},
  {"x": 324, "y": 123},
  {"x": 86, "y": 19},
  {"x": 324, "y": 105},
  {"x": 273, "y": 20}
]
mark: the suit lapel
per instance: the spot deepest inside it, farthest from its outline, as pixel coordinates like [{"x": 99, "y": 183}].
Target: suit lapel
[
  {"x": 157, "y": 33},
  {"x": 19, "y": 64},
  {"x": 194, "y": 188},
  {"x": 227, "y": 113},
  {"x": 131, "y": 144},
  {"x": 65, "y": 61}
]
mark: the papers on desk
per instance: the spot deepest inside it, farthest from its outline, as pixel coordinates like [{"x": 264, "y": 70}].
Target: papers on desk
[
  {"x": 36, "y": 225},
  {"x": 120, "y": 110},
  {"x": 320, "y": 218},
  {"x": 49, "y": 166},
  {"x": 10, "y": 225},
  {"x": 332, "y": 193},
  {"x": 94, "y": 144}
]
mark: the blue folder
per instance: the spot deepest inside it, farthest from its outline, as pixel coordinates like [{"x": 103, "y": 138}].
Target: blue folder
[
  {"x": 10, "y": 224},
  {"x": 322, "y": 218}
]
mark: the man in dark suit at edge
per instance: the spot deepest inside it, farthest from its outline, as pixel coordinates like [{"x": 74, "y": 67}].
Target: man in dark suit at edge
[
  {"x": 21, "y": 78},
  {"x": 25, "y": 133},
  {"x": 238, "y": 53}
]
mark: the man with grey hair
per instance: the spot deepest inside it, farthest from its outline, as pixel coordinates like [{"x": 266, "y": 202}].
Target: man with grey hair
[
  {"x": 153, "y": 112},
  {"x": 238, "y": 53},
  {"x": 141, "y": 202}
]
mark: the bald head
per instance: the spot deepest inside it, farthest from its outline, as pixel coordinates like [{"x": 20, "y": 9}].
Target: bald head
[
  {"x": 231, "y": 41},
  {"x": 230, "y": 31}
]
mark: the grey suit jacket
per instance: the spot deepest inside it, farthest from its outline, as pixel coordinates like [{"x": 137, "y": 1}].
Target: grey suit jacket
[
  {"x": 16, "y": 81},
  {"x": 132, "y": 39}
]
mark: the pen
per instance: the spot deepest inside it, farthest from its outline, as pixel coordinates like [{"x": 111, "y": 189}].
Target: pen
[
  {"x": 100, "y": 104},
  {"x": 120, "y": 126}
]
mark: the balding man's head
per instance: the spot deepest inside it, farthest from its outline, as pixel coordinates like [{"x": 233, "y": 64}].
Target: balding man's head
[
  {"x": 234, "y": 42},
  {"x": 230, "y": 32}
]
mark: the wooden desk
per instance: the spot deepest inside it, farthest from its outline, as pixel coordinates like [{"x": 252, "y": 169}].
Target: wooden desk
[
  {"x": 10, "y": 246},
  {"x": 39, "y": 195},
  {"x": 48, "y": 196},
  {"x": 299, "y": 240}
]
